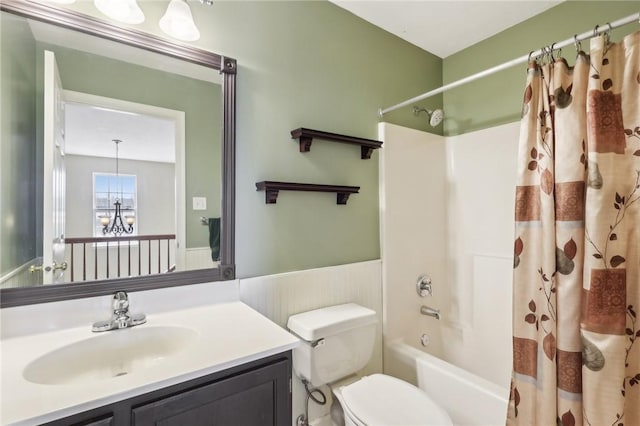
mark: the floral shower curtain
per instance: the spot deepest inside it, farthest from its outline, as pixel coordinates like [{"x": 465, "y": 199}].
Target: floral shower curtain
[{"x": 576, "y": 343}]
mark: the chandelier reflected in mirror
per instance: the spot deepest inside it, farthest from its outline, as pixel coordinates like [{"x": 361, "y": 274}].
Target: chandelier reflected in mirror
[{"x": 117, "y": 225}]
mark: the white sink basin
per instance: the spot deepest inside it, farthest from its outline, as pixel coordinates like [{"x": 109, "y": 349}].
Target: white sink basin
[{"x": 109, "y": 355}]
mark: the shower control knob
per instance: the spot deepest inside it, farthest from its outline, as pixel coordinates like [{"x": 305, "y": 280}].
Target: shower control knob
[{"x": 423, "y": 286}]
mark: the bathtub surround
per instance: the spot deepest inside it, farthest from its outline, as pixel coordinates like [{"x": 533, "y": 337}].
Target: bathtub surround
[
  {"x": 481, "y": 172},
  {"x": 437, "y": 229},
  {"x": 413, "y": 233},
  {"x": 577, "y": 241}
]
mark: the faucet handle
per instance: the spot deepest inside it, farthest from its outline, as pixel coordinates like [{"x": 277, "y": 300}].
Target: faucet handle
[
  {"x": 101, "y": 326},
  {"x": 423, "y": 286},
  {"x": 120, "y": 301}
]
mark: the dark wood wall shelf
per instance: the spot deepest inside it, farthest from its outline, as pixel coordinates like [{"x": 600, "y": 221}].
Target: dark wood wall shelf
[
  {"x": 272, "y": 188},
  {"x": 305, "y": 137}
]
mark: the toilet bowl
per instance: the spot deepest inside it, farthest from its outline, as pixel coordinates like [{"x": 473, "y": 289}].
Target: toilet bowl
[
  {"x": 338, "y": 342},
  {"x": 379, "y": 399}
]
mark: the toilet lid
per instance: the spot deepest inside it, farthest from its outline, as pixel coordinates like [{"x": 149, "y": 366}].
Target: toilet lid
[{"x": 384, "y": 400}]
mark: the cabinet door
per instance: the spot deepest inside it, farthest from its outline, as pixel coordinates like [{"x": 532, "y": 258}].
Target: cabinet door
[{"x": 258, "y": 397}]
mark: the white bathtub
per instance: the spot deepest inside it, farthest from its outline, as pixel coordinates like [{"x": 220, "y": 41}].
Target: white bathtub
[{"x": 470, "y": 400}]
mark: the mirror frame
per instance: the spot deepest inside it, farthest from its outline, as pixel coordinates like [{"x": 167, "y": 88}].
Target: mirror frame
[{"x": 227, "y": 67}]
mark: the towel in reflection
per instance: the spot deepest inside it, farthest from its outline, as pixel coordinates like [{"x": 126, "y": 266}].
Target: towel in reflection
[{"x": 214, "y": 238}]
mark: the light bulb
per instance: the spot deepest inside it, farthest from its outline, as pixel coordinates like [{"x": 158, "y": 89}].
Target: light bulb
[
  {"x": 126, "y": 11},
  {"x": 178, "y": 22}
]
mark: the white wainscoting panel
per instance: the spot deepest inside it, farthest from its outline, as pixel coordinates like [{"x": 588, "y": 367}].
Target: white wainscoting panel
[{"x": 198, "y": 258}]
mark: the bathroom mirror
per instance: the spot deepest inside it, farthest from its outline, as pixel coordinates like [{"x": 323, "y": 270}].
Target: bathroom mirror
[{"x": 196, "y": 196}]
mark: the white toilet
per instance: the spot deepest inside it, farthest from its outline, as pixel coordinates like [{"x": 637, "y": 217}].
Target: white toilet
[{"x": 338, "y": 342}]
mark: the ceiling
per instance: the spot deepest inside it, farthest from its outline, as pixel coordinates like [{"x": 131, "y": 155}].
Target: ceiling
[
  {"x": 445, "y": 27},
  {"x": 90, "y": 131}
]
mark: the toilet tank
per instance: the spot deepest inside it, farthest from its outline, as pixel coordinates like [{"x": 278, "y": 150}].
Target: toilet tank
[{"x": 337, "y": 342}]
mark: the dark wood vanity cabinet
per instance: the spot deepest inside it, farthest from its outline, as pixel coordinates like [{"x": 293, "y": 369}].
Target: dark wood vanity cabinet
[
  {"x": 250, "y": 398},
  {"x": 257, "y": 393}
]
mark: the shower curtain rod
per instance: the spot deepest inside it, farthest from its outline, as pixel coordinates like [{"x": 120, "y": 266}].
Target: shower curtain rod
[{"x": 555, "y": 46}]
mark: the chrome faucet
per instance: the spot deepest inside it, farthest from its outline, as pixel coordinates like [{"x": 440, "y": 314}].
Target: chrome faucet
[
  {"x": 121, "y": 317},
  {"x": 430, "y": 312}
]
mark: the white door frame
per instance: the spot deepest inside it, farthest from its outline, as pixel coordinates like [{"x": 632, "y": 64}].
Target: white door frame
[{"x": 178, "y": 117}]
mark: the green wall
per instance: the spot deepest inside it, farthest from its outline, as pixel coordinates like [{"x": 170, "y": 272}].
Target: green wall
[
  {"x": 307, "y": 64},
  {"x": 497, "y": 99},
  {"x": 311, "y": 64},
  {"x": 17, "y": 144}
]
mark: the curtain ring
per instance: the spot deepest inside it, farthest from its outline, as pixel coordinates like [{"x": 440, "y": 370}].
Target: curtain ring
[
  {"x": 551, "y": 49},
  {"x": 607, "y": 33},
  {"x": 529, "y": 58},
  {"x": 595, "y": 30},
  {"x": 577, "y": 43},
  {"x": 541, "y": 56},
  {"x": 546, "y": 53}
]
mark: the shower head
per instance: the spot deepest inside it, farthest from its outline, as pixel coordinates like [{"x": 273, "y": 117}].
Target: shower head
[{"x": 435, "y": 116}]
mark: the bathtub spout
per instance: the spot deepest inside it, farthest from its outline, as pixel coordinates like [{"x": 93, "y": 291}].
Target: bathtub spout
[{"x": 425, "y": 310}]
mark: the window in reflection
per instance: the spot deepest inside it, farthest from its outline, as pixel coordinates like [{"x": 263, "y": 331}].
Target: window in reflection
[{"x": 108, "y": 190}]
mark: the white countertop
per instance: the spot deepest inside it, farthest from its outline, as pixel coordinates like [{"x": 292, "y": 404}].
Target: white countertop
[{"x": 230, "y": 334}]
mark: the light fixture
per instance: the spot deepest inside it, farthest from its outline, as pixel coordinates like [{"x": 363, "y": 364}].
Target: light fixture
[
  {"x": 116, "y": 225},
  {"x": 178, "y": 21},
  {"x": 126, "y": 11}
]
